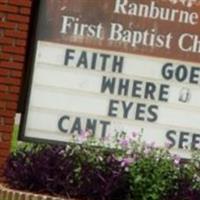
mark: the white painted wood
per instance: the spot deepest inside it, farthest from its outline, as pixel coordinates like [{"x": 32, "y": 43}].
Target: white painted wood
[
  {"x": 59, "y": 90},
  {"x": 134, "y": 65},
  {"x": 99, "y": 105},
  {"x": 90, "y": 82}
]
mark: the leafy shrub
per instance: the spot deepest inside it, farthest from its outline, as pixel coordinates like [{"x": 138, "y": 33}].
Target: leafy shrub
[
  {"x": 72, "y": 171},
  {"x": 128, "y": 170},
  {"x": 102, "y": 175},
  {"x": 188, "y": 182},
  {"x": 152, "y": 176},
  {"x": 42, "y": 168}
]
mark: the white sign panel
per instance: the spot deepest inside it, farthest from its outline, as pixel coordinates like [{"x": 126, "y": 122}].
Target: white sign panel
[{"x": 69, "y": 96}]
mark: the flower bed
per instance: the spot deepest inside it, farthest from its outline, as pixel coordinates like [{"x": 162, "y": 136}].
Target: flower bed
[{"x": 130, "y": 170}]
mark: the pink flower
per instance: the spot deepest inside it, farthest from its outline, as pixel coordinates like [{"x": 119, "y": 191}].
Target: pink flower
[
  {"x": 124, "y": 144},
  {"x": 127, "y": 161},
  {"x": 105, "y": 138},
  {"x": 176, "y": 159},
  {"x": 147, "y": 151},
  {"x": 134, "y": 134},
  {"x": 150, "y": 145},
  {"x": 84, "y": 135},
  {"x": 132, "y": 137},
  {"x": 168, "y": 144}
]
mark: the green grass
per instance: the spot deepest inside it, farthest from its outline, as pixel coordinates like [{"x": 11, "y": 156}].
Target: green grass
[
  {"x": 14, "y": 137},
  {"x": 15, "y": 143}
]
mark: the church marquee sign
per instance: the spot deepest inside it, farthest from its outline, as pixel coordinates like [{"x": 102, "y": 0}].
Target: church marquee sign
[{"x": 116, "y": 65}]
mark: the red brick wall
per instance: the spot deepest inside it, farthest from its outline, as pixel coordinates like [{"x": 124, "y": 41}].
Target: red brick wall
[{"x": 14, "y": 20}]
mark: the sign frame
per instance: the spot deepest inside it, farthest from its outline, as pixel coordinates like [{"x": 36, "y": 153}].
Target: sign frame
[
  {"x": 27, "y": 84},
  {"x": 28, "y": 76}
]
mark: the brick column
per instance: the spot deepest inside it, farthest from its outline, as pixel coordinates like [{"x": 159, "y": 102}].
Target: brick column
[{"x": 14, "y": 20}]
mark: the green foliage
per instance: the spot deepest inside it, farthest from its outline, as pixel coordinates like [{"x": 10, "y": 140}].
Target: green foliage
[
  {"x": 127, "y": 168},
  {"x": 14, "y": 138},
  {"x": 152, "y": 176},
  {"x": 193, "y": 170}
]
